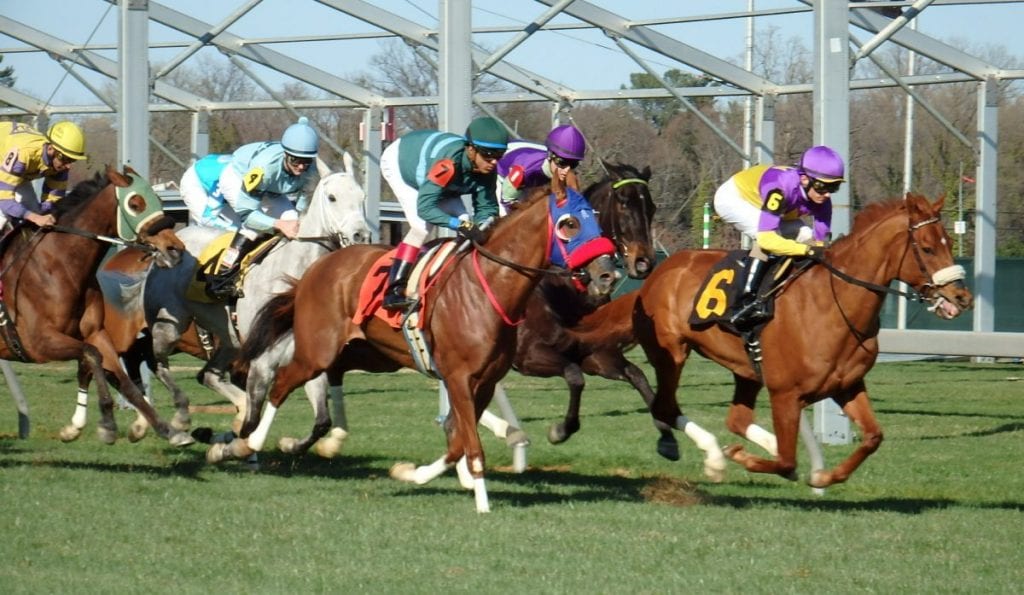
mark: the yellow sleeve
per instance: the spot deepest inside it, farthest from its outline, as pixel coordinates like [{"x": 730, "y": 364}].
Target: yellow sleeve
[{"x": 773, "y": 243}]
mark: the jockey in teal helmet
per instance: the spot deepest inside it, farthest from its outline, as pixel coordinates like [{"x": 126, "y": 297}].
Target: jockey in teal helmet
[{"x": 429, "y": 171}]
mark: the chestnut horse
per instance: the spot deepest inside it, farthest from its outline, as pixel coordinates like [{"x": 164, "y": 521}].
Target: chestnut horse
[
  {"x": 53, "y": 301},
  {"x": 822, "y": 340},
  {"x": 469, "y": 324}
]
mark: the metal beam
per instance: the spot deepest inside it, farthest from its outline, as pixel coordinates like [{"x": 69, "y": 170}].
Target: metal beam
[
  {"x": 133, "y": 86},
  {"x": 205, "y": 39},
  {"x": 980, "y": 344}
]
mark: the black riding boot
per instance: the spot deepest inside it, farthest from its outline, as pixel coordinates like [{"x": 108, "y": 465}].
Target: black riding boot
[
  {"x": 398, "y": 277},
  {"x": 222, "y": 284},
  {"x": 751, "y": 309}
]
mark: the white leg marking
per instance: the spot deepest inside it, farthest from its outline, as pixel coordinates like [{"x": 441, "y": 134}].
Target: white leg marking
[
  {"x": 763, "y": 438},
  {"x": 259, "y": 437}
]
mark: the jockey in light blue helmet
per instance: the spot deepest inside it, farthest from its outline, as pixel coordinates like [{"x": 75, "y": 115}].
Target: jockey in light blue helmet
[{"x": 301, "y": 140}]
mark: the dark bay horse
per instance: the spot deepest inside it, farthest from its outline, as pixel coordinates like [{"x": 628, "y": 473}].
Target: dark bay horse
[
  {"x": 626, "y": 210},
  {"x": 823, "y": 338},
  {"x": 548, "y": 345},
  {"x": 469, "y": 324},
  {"x": 54, "y": 301}
]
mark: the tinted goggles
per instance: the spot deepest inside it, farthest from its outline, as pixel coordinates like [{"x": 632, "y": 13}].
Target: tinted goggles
[
  {"x": 563, "y": 163},
  {"x": 825, "y": 187},
  {"x": 489, "y": 154},
  {"x": 294, "y": 161}
]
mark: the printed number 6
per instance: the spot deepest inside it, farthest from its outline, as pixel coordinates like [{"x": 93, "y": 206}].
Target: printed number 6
[
  {"x": 773, "y": 202},
  {"x": 713, "y": 298}
]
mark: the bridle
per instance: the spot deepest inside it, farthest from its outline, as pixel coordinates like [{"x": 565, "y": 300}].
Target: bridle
[
  {"x": 616, "y": 231},
  {"x": 331, "y": 221}
]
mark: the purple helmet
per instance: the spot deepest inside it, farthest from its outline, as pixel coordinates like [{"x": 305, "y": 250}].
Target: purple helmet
[
  {"x": 567, "y": 142},
  {"x": 822, "y": 163}
]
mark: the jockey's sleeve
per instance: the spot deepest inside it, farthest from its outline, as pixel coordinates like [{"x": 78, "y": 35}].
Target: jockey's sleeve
[
  {"x": 248, "y": 209},
  {"x": 773, "y": 243},
  {"x": 429, "y": 195},
  {"x": 485, "y": 201},
  {"x": 302, "y": 203},
  {"x": 12, "y": 208},
  {"x": 12, "y": 171},
  {"x": 55, "y": 187}
]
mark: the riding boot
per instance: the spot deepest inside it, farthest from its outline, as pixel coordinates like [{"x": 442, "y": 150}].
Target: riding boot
[
  {"x": 394, "y": 296},
  {"x": 751, "y": 309},
  {"x": 222, "y": 284}
]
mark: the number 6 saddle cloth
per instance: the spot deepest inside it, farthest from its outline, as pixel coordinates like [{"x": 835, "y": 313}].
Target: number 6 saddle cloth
[{"x": 720, "y": 294}]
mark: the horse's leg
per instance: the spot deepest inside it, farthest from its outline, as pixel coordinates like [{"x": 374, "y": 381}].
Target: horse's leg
[
  {"x": 166, "y": 334},
  {"x": 138, "y": 355},
  {"x": 786, "y": 415},
  {"x": 570, "y": 424},
  {"x": 73, "y": 430},
  {"x": 668, "y": 447},
  {"x": 20, "y": 403},
  {"x": 316, "y": 392},
  {"x": 857, "y": 407},
  {"x": 740, "y": 419},
  {"x": 212, "y": 377}
]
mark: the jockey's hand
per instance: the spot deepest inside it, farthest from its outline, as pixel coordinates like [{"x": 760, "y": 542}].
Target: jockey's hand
[
  {"x": 288, "y": 228},
  {"x": 42, "y": 220},
  {"x": 816, "y": 253},
  {"x": 468, "y": 230}
]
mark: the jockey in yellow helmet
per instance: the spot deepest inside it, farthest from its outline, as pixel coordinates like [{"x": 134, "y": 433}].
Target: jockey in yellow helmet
[{"x": 26, "y": 155}]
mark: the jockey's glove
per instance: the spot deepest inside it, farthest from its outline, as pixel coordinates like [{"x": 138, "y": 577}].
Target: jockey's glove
[
  {"x": 468, "y": 230},
  {"x": 815, "y": 253}
]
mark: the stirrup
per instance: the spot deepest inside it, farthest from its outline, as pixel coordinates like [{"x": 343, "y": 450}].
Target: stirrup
[
  {"x": 396, "y": 301},
  {"x": 223, "y": 286}
]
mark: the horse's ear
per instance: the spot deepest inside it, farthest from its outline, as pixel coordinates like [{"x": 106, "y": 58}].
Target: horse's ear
[
  {"x": 117, "y": 178},
  {"x": 350, "y": 165},
  {"x": 612, "y": 169},
  {"x": 322, "y": 168},
  {"x": 937, "y": 205},
  {"x": 646, "y": 173}
]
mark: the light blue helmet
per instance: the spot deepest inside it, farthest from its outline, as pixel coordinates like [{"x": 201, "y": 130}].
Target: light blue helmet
[{"x": 300, "y": 139}]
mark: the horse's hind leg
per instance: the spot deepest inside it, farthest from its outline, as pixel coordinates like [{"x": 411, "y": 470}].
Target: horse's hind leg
[
  {"x": 668, "y": 446},
  {"x": 570, "y": 424},
  {"x": 165, "y": 335},
  {"x": 316, "y": 392},
  {"x": 740, "y": 419},
  {"x": 857, "y": 407}
]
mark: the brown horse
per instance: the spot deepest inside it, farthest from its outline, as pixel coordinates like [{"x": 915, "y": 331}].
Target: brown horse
[
  {"x": 823, "y": 338},
  {"x": 469, "y": 325},
  {"x": 54, "y": 301}
]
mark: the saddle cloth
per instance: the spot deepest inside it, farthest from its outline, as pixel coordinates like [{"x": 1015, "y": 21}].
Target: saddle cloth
[
  {"x": 723, "y": 287},
  {"x": 209, "y": 261},
  {"x": 371, "y": 293}
]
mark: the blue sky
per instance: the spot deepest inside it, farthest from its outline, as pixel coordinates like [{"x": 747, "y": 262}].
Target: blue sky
[{"x": 576, "y": 58}]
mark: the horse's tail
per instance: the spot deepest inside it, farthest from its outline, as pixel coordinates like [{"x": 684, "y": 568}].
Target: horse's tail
[{"x": 274, "y": 320}]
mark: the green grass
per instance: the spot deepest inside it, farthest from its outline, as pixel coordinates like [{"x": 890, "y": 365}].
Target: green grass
[{"x": 937, "y": 509}]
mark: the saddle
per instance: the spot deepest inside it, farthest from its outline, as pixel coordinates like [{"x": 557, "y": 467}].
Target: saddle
[
  {"x": 722, "y": 289},
  {"x": 209, "y": 261},
  {"x": 431, "y": 263}
]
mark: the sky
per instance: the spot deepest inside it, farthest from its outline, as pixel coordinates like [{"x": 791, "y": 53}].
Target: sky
[{"x": 576, "y": 58}]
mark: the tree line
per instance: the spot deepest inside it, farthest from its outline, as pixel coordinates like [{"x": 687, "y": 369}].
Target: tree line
[{"x": 687, "y": 158}]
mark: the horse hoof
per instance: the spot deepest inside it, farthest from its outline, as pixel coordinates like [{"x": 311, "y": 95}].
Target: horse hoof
[
  {"x": 330, "y": 445},
  {"x": 181, "y": 439},
  {"x": 137, "y": 432},
  {"x": 557, "y": 434},
  {"x": 820, "y": 479},
  {"x": 403, "y": 472},
  {"x": 181, "y": 423},
  {"x": 70, "y": 433},
  {"x": 216, "y": 453},
  {"x": 668, "y": 449},
  {"x": 288, "y": 445},
  {"x": 714, "y": 475},
  {"x": 516, "y": 437},
  {"x": 106, "y": 435},
  {"x": 734, "y": 452}
]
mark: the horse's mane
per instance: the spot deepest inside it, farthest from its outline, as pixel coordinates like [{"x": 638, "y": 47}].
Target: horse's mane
[
  {"x": 81, "y": 194},
  {"x": 872, "y": 214}
]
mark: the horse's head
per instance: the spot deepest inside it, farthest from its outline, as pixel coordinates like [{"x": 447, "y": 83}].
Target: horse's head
[
  {"x": 338, "y": 207},
  {"x": 576, "y": 243},
  {"x": 931, "y": 269},
  {"x": 140, "y": 217},
  {"x": 626, "y": 211}
]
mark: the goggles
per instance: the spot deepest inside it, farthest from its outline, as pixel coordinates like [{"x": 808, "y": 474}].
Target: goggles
[
  {"x": 825, "y": 187},
  {"x": 489, "y": 154},
  {"x": 563, "y": 163},
  {"x": 58, "y": 156},
  {"x": 294, "y": 161}
]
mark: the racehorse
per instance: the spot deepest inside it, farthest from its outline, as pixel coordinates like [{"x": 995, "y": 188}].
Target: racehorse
[
  {"x": 823, "y": 338},
  {"x": 335, "y": 217},
  {"x": 53, "y": 305},
  {"x": 468, "y": 322},
  {"x": 626, "y": 210}
]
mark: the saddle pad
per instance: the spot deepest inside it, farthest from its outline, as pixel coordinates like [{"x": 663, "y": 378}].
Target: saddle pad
[
  {"x": 722, "y": 288},
  {"x": 209, "y": 261},
  {"x": 371, "y": 293}
]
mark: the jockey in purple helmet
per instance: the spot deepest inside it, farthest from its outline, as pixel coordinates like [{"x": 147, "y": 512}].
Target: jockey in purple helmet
[
  {"x": 528, "y": 166},
  {"x": 786, "y": 210}
]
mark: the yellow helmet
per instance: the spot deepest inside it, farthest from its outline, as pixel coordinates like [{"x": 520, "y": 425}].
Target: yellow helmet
[{"x": 67, "y": 138}]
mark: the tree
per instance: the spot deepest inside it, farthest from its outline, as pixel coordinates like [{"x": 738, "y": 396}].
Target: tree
[
  {"x": 6, "y": 75},
  {"x": 659, "y": 111}
]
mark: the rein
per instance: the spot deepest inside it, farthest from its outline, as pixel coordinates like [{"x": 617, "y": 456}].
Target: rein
[
  {"x": 522, "y": 268},
  {"x": 108, "y": 239}
]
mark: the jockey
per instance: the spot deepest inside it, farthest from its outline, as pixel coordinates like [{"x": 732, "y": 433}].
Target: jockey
[
  {"x": 28, "y": 155},
  {"x": 769, "y": 205},
  {"x": 261, "y": 185},
  {"x": 527, "y": 167},
  {"x": 429, "y": 171}
]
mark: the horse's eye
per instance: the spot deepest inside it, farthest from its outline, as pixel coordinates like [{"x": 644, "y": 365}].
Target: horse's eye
[
  {"x": 567, "y": 227},
  {"x": 927, "y": 250},
  {"x": 332, "y": 198},
  {"x": 134, "y": 204}
]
